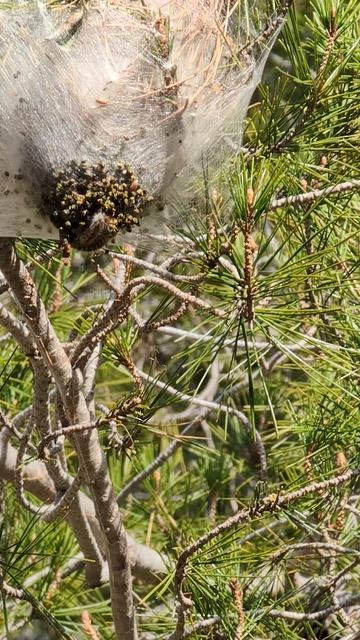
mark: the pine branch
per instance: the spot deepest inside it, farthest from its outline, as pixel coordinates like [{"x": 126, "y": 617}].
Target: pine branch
[
  {"x": 269, "y": 504},
  {"x": 303, "y": 199},
  {"x": 145, "y": 561},
  {"x": 344, "y": 602},
  {"x": 92, "y": 461}
]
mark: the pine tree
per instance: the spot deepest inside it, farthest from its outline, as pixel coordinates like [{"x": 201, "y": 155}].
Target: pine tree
[{"x": 199, "y": 389}]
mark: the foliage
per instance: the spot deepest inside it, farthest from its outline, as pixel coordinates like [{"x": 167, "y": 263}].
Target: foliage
[{"x": 243, "y": 352}]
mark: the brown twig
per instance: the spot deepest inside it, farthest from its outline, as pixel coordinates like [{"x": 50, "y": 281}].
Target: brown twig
[
  {"x": 150, "y": 327},
  {"x": 249, "y": 251}
]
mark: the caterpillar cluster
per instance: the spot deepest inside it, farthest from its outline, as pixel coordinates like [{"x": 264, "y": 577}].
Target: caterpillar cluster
[{"x": 90, "y": 204}]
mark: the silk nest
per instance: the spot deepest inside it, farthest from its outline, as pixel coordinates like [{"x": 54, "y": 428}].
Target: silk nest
[{"x": 162, "y": 86}]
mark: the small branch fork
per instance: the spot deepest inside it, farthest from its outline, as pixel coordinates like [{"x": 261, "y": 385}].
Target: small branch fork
[{"x": 269, "y": 504}]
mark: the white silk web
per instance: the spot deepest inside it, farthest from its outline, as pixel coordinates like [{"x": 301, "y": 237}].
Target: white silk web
[{"x": 157, "y": 85}]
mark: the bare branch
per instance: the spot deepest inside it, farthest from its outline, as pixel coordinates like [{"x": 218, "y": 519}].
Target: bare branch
[
  {"x": 207, "y": 404},
  {"x": 63, "y": 504},
  {"x": 196, "y": 627},
  {"x": 302, "y": 199},
  {"x": 71, "y": 429},
  {"x": 178, "y": 293},
  {"x": 148, "y": 327},
  {"x": 344, "y": 602},
  {"x": 160, "y": 271},
  {"x": 192, "y": 336},
  {"x": 315, "y": 546}
]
